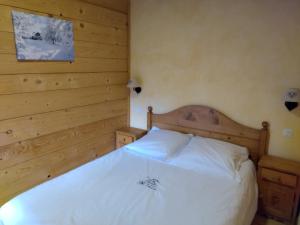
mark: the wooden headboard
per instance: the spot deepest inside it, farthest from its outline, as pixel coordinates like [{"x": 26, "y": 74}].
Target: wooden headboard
[{"x": 208, "y": 122}]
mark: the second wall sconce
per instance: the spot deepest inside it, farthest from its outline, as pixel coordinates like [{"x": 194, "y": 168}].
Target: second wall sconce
[{"x": 292, "y": 98}]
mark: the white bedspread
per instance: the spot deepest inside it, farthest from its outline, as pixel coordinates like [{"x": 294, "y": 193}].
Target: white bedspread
[{"x": 126, "y": 189}]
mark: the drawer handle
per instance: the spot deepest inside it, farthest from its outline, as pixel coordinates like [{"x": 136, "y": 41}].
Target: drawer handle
[
  {"x": 275, "y": 179},
  {"x": 275, "y": 200}
]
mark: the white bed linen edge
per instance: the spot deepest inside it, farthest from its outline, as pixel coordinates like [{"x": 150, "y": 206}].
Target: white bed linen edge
[{"x": 116, "y": 190}]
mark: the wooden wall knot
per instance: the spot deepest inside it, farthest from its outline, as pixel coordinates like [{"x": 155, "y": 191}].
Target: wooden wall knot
[{"x": 38, "y": 81}]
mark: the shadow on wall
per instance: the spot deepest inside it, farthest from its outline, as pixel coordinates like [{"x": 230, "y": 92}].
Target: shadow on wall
[{"x": 296, "y": 112}]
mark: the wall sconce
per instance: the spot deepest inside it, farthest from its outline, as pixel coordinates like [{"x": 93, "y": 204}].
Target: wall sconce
[
  {"x": 292, "y": 98},
  {"x": 134, "y": 86}
]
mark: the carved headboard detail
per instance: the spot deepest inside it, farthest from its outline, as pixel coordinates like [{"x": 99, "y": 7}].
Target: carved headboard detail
[{"x": 208, "y": 122}]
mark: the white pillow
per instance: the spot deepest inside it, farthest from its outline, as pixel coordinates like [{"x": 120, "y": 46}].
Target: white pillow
[
  {"x": 210, "y": 154},
  {"x": 237, "y": 153},
  {"x": 159, "y": 144},
  {"x": 154, "y": 129}
]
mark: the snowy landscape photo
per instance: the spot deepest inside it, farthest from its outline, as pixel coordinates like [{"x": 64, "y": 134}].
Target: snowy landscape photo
[{"x": 43, "y": 38}]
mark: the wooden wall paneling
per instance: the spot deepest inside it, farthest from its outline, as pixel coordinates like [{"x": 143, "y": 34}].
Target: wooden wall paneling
[
  {"x": 9, "y": 65},
  {"x": 129, "y": 57},
  {"x": 84, "y": 31},
  {"x": 119, "y": 5},
  {"x": 7, "y": 44},
  {"x": 32, "y": 126},
  {"x": 24, "y": 104},
  {"x": 22, "y": 83},
  {"x": 96, "y": 50},
  {"x": 22, "y": 151},
  {"x": 73, "y": 9},
  {"x": 55, "y": 116}
]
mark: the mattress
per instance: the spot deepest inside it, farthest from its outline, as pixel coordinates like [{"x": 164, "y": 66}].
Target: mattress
[{"x": 123, "y": 188}]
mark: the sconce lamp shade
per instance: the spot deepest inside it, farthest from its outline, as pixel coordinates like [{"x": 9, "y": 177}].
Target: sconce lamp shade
[
  {"x": 292, "y": 98},
  {"x": 134, "y": 86},
  {"x": 292, "y": 95}
]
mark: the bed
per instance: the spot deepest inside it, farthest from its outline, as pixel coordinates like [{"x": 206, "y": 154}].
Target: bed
[{"x": 126, "y": 188}]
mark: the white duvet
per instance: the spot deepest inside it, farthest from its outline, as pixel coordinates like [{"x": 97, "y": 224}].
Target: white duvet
[{"x": 122, "y": 188}]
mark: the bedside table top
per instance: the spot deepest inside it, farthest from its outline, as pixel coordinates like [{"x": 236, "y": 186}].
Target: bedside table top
[
  {"x": 280, "y": 164},
  {"x": 132, "y": 130}
]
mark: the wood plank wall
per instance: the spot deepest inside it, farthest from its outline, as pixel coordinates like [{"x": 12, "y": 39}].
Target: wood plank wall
[{"x": 55, "y": 116}]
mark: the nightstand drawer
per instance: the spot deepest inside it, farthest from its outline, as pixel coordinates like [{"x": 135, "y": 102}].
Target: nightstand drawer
[
  {"x": 124, "y": 139},
  {"x": 280, "y": 178},
  {"x": 277, "y": 200},
  {"x": 127, "y": 135}
]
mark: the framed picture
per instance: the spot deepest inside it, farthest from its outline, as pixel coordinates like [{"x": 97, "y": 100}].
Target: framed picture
[{"x": 43, "y": 38}]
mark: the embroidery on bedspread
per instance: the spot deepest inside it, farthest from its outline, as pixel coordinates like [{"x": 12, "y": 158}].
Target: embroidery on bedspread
[{"x": 150, "y": 183}]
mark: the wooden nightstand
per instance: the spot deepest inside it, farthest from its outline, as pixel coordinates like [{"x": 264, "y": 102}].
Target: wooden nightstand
[
  {"x": 127, "y": 135},
  {"x": 279, "y": 187}
]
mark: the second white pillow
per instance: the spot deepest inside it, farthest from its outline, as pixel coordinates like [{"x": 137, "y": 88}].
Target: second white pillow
[{"x": 200, "y": 153}]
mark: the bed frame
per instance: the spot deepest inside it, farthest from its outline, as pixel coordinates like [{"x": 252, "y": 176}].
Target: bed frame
[{"x": 208, "y": 122}]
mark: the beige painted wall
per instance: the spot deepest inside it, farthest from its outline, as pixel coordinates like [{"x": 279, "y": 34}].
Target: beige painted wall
[{"x": 237, "y": 56}]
